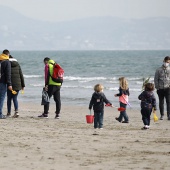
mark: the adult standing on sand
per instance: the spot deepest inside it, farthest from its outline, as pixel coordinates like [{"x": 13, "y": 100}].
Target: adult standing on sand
[
  {"x": 162, "y": 84},
  {"x": 18, "y": 84},
  {"x": 52, "y": 88},
  {"x": 5, "y": 78}
]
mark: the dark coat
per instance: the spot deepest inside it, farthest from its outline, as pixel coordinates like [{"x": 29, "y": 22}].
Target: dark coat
[
  {"x": 17, "y": 77},
  {"x": 121, "y": 92},
  {"x": 148, "y": 100},
  {"x": 5, "y": 72},
  {"x": 97, "y": 101}
]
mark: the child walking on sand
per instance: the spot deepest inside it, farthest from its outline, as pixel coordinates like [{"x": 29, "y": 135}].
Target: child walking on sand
[
  {"x": 97, "y": 102},
  {"x": 123, "y": 99},
  {"x": 148, "y": 103}
]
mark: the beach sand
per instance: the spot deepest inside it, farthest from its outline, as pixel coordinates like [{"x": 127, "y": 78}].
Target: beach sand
[{"x": 29, "y": 143}]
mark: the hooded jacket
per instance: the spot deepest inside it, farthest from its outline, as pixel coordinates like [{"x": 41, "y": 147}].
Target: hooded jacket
[
  {"x": 5, "y": 70},
  {"x": 148, "y": 100},
  {"x": 97, "y": 101},
  {"x": 17, "y": 77},
  {"x": 162, "y": 78}
]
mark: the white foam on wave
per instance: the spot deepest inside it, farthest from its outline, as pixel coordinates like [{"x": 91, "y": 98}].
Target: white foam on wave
[
  {"x": 84, "y": 78},
  {"x": 37, "y": 85},
  {"x": 32, "y": 76},
  {"x": 83, "y": 87}
]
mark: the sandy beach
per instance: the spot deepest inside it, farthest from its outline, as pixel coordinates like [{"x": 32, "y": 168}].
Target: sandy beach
[{"x": 29, "y": 143}]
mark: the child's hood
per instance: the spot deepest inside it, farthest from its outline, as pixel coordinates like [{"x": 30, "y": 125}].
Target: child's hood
[
  {"x": 148, "y": 94},
  {"x": 98, "y": 95}
]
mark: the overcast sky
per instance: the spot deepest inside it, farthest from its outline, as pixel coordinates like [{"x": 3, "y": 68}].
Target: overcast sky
[{"x": 61, "y": 10}]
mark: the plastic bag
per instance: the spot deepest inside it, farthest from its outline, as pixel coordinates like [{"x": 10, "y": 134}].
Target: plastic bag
[{"x": 45, "y": 97}]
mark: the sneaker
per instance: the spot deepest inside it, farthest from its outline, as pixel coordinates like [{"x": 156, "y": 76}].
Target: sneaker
[
  {"x": 169, "y": 118},
  {"x": 145, "y": 127},
  {"x": 125, "y": 122},
  {"x": 117, "y": 119},
  {"x": 43, "y": 116},
  {"x": 100, "y": 128},
  {"x": 16, "y": 115},
  {"x": 2, "y": 116},
  {"x": 8, "y": 115},
  {"x": 162, "y": 117},
  {"x": 57, "y": 116}
]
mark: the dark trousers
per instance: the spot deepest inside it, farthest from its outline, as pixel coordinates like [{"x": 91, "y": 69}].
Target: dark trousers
[
  {"x": 55, "y": 92},
  {"x": 98, "y": 119},
  {"x": 146, "y": 114},
  {"x": 164, "y": 94}
]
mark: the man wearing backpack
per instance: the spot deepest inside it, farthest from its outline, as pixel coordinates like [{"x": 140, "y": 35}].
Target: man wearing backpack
[
  {"x": 5, "y": 78},
  {"x": 52, "y": 88}
]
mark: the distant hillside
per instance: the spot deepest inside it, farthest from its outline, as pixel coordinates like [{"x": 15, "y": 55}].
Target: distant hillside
[{"x": 18, "y": 32}]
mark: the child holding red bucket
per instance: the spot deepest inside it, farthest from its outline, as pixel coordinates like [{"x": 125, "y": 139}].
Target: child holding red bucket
[
  {"x": 148, "y": 103},
  {"x": 97, "y": 102},
  {"x": 123, "y": 99}
]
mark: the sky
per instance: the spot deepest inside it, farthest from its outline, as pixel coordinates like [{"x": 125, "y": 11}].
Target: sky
[{"x": 64, "y": 10}]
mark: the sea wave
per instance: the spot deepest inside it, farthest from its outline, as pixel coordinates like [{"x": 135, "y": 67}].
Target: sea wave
[
  {"x": 37, "y": 85},
  {"x": 72, "y": 86},
  {"x": 84, "y": 78},
  {"x": 32, "y": 76}
]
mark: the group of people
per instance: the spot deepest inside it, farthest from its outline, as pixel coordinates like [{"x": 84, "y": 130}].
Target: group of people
[
  {"x": 11, "y": 82},
  {"x": 11, "y": 78},
  {"x": 148, "y": 100}
]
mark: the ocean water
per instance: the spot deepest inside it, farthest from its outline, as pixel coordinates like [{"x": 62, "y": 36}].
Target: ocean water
[{"x": 84, "y": 69}]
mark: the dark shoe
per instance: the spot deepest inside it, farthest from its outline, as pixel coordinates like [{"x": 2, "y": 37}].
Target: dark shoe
[
  {"x": 162, "y": 117},
  {"x": 169, "y": 118},
  {"x": 144, "y": 128},
  {"x": 125, "y": 122},
  {"x": 117, "y": 119},
  {"x": 43, "y": 116},
  {"x": 16, "y": 115},
  {"x": 2, "y": 116},
  {"x": 57, "y": 116},
  {"x": 8, "y": 115}
]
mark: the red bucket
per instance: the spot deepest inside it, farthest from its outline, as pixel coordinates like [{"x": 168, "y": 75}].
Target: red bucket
[{"x": 89, "y": 118}]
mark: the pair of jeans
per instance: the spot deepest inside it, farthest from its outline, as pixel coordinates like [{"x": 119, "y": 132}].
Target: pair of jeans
[
  {"x": 54, "y": 91},
  {"x": 146, "y": 114},
  {"x": 3, "y": 89},
  {"x": 164, "y": 94},
  {"x": 11, "y": 97},
  {"x": 98, "y": 119},
  {"x": 123, "y": 114}
]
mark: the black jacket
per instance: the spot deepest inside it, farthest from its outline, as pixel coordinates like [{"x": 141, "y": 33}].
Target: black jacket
[
  {"x": 97, "y": 101},
  {"x": 17, "y": 77},
  {"x": 121, "y": 91},
  {"x": 5, "y": 72},
  {"x": 148, "y": 100}
]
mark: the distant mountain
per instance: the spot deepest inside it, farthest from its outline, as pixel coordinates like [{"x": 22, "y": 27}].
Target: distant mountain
[{"x": 18, "y": 32}]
